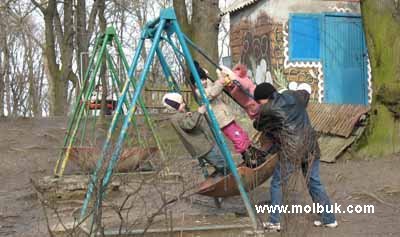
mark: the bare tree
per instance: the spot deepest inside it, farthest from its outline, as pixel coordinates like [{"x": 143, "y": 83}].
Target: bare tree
[
  {"x": 58, "y": 38},
  {"x": 4, "y": 57},
  {"x": 47, "y": 80},
  {"x": 21, "y": 62}
]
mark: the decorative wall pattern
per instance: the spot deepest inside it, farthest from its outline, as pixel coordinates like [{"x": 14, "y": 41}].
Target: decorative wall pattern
[
  {"x": 341, "y": 9},
  {"x": 369, "y": 81}
]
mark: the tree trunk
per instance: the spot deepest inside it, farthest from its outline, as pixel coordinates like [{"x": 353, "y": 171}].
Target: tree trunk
[
  {"x": 84, "y": 31},
  {"x": 58, "y": 96},
  {"x": 82, "y": 42},
  {"x": 3, "y": 61},
  {"x": 103, "y": 69},
  {"x": 6, "y": 78},
  {"x": 2, "y": 78},
  {"x": 206, "y": 19},
  {"x": 67, "y": 49},
  {"x": 57, "y": 87},
  {"x": 58, "y": 74},
  {"x": 383, "y": 40},
  {"x": 41, "y": 94},
  {"x": 32, "y": 91},
  {"x": 1, "y": 90},
  {"x": 202, "y": 29}
]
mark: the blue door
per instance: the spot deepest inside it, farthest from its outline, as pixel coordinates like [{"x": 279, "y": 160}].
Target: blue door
[{"x": 344, "y": 60}]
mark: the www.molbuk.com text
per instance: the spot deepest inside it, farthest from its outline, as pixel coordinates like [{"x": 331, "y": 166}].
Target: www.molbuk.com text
[{"x": 315, "y": 208}]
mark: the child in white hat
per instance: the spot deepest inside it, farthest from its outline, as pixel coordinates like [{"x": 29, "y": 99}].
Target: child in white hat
[{"x": 194, "y": 132}]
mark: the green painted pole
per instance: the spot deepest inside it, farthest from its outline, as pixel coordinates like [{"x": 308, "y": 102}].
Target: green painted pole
[
  {"x": 148, "y": 120},
  {"x": 118, "y": 146},
  {"x": 116, "y": 80},
  {"x": 107, "y": 142},
  {"x": 167, "y": 73},
  {"x": 76, "y": 106},
  {"x": 81, "y": 108}
]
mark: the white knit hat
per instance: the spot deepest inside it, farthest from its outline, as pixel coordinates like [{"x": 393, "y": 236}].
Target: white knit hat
[{"x": 174, "y": 97}]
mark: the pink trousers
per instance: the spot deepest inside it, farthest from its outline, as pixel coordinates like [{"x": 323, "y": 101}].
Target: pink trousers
[{"x": 238, "y": 136}]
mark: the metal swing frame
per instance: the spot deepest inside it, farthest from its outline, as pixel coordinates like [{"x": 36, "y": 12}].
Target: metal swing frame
[
  {"x": 80, "y": 112},
  {"x": 161, "y": 28}
]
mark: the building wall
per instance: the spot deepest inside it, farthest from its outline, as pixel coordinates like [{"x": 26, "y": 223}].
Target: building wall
[
  {"x": 259, "y": 39},
  {"x": 279, "y": 10}
]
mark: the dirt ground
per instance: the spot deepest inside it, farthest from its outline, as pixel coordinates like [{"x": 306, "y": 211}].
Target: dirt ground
[{"x": 29, "y": 149}]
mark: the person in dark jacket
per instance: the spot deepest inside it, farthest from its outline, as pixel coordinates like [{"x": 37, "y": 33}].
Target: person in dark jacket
[
  {"x": 194, "y": 133},
  {"x": 283, "y": 117}
]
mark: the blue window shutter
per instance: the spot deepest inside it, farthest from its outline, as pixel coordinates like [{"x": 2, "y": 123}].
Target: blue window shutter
[{"x": 304, "y": 37}]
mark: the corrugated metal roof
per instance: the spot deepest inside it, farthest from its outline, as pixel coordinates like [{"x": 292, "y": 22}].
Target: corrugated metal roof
[
  {"x": 337, "y": 120},
  {"x": 237, "y": 5}
]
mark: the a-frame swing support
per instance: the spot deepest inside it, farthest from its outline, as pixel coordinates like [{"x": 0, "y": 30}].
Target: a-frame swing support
[
  {"x": 166, "y": 24},
  {"x": 102, "y": 43}
]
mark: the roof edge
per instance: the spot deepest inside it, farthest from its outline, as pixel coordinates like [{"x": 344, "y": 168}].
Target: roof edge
[{"x": 238, "y": 5}]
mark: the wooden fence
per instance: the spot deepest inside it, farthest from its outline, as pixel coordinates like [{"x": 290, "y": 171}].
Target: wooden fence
[{"x": 153, "y": 99}]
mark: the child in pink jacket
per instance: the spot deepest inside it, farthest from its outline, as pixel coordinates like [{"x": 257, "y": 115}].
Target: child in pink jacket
[
  {"x": 230, "y": 128},
  {"x": 241, "y": 88},
  {"x": 223, "y": 112}
]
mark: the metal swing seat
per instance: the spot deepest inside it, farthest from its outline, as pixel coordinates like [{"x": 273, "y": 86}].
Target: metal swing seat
[
  {"x": 251, "y": 177},
  {"x": 131, "y": 158},
  {"x": 226, "y": 186},
  {"x": 95, "y": 105}
]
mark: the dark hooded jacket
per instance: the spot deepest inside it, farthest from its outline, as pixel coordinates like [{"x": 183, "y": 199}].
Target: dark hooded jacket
[{"x": 285, "y": 118}]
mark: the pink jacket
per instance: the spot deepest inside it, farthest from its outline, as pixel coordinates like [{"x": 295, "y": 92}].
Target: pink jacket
[{"x": 241, "y": 97}]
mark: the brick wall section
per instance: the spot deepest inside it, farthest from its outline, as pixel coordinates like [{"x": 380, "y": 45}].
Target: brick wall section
[
  {"x": 277, "y": 46},
  {"x": 262, "y": 26},
  {"x": 236, "y": 38}
]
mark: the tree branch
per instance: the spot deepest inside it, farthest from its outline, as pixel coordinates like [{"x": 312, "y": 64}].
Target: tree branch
[
  {"x": 57, "y": 26},
  {"x": 92, "y": 20},
  {"x": 40, "y": 6},
  {"x": 50, "y": 47}
]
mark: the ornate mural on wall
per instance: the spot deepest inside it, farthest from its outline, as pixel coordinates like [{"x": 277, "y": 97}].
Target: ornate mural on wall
[
  {"x": 256, "y": 54},
  {"x": 261, "y": 45},
  {"x": 253, "y": 45}
]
